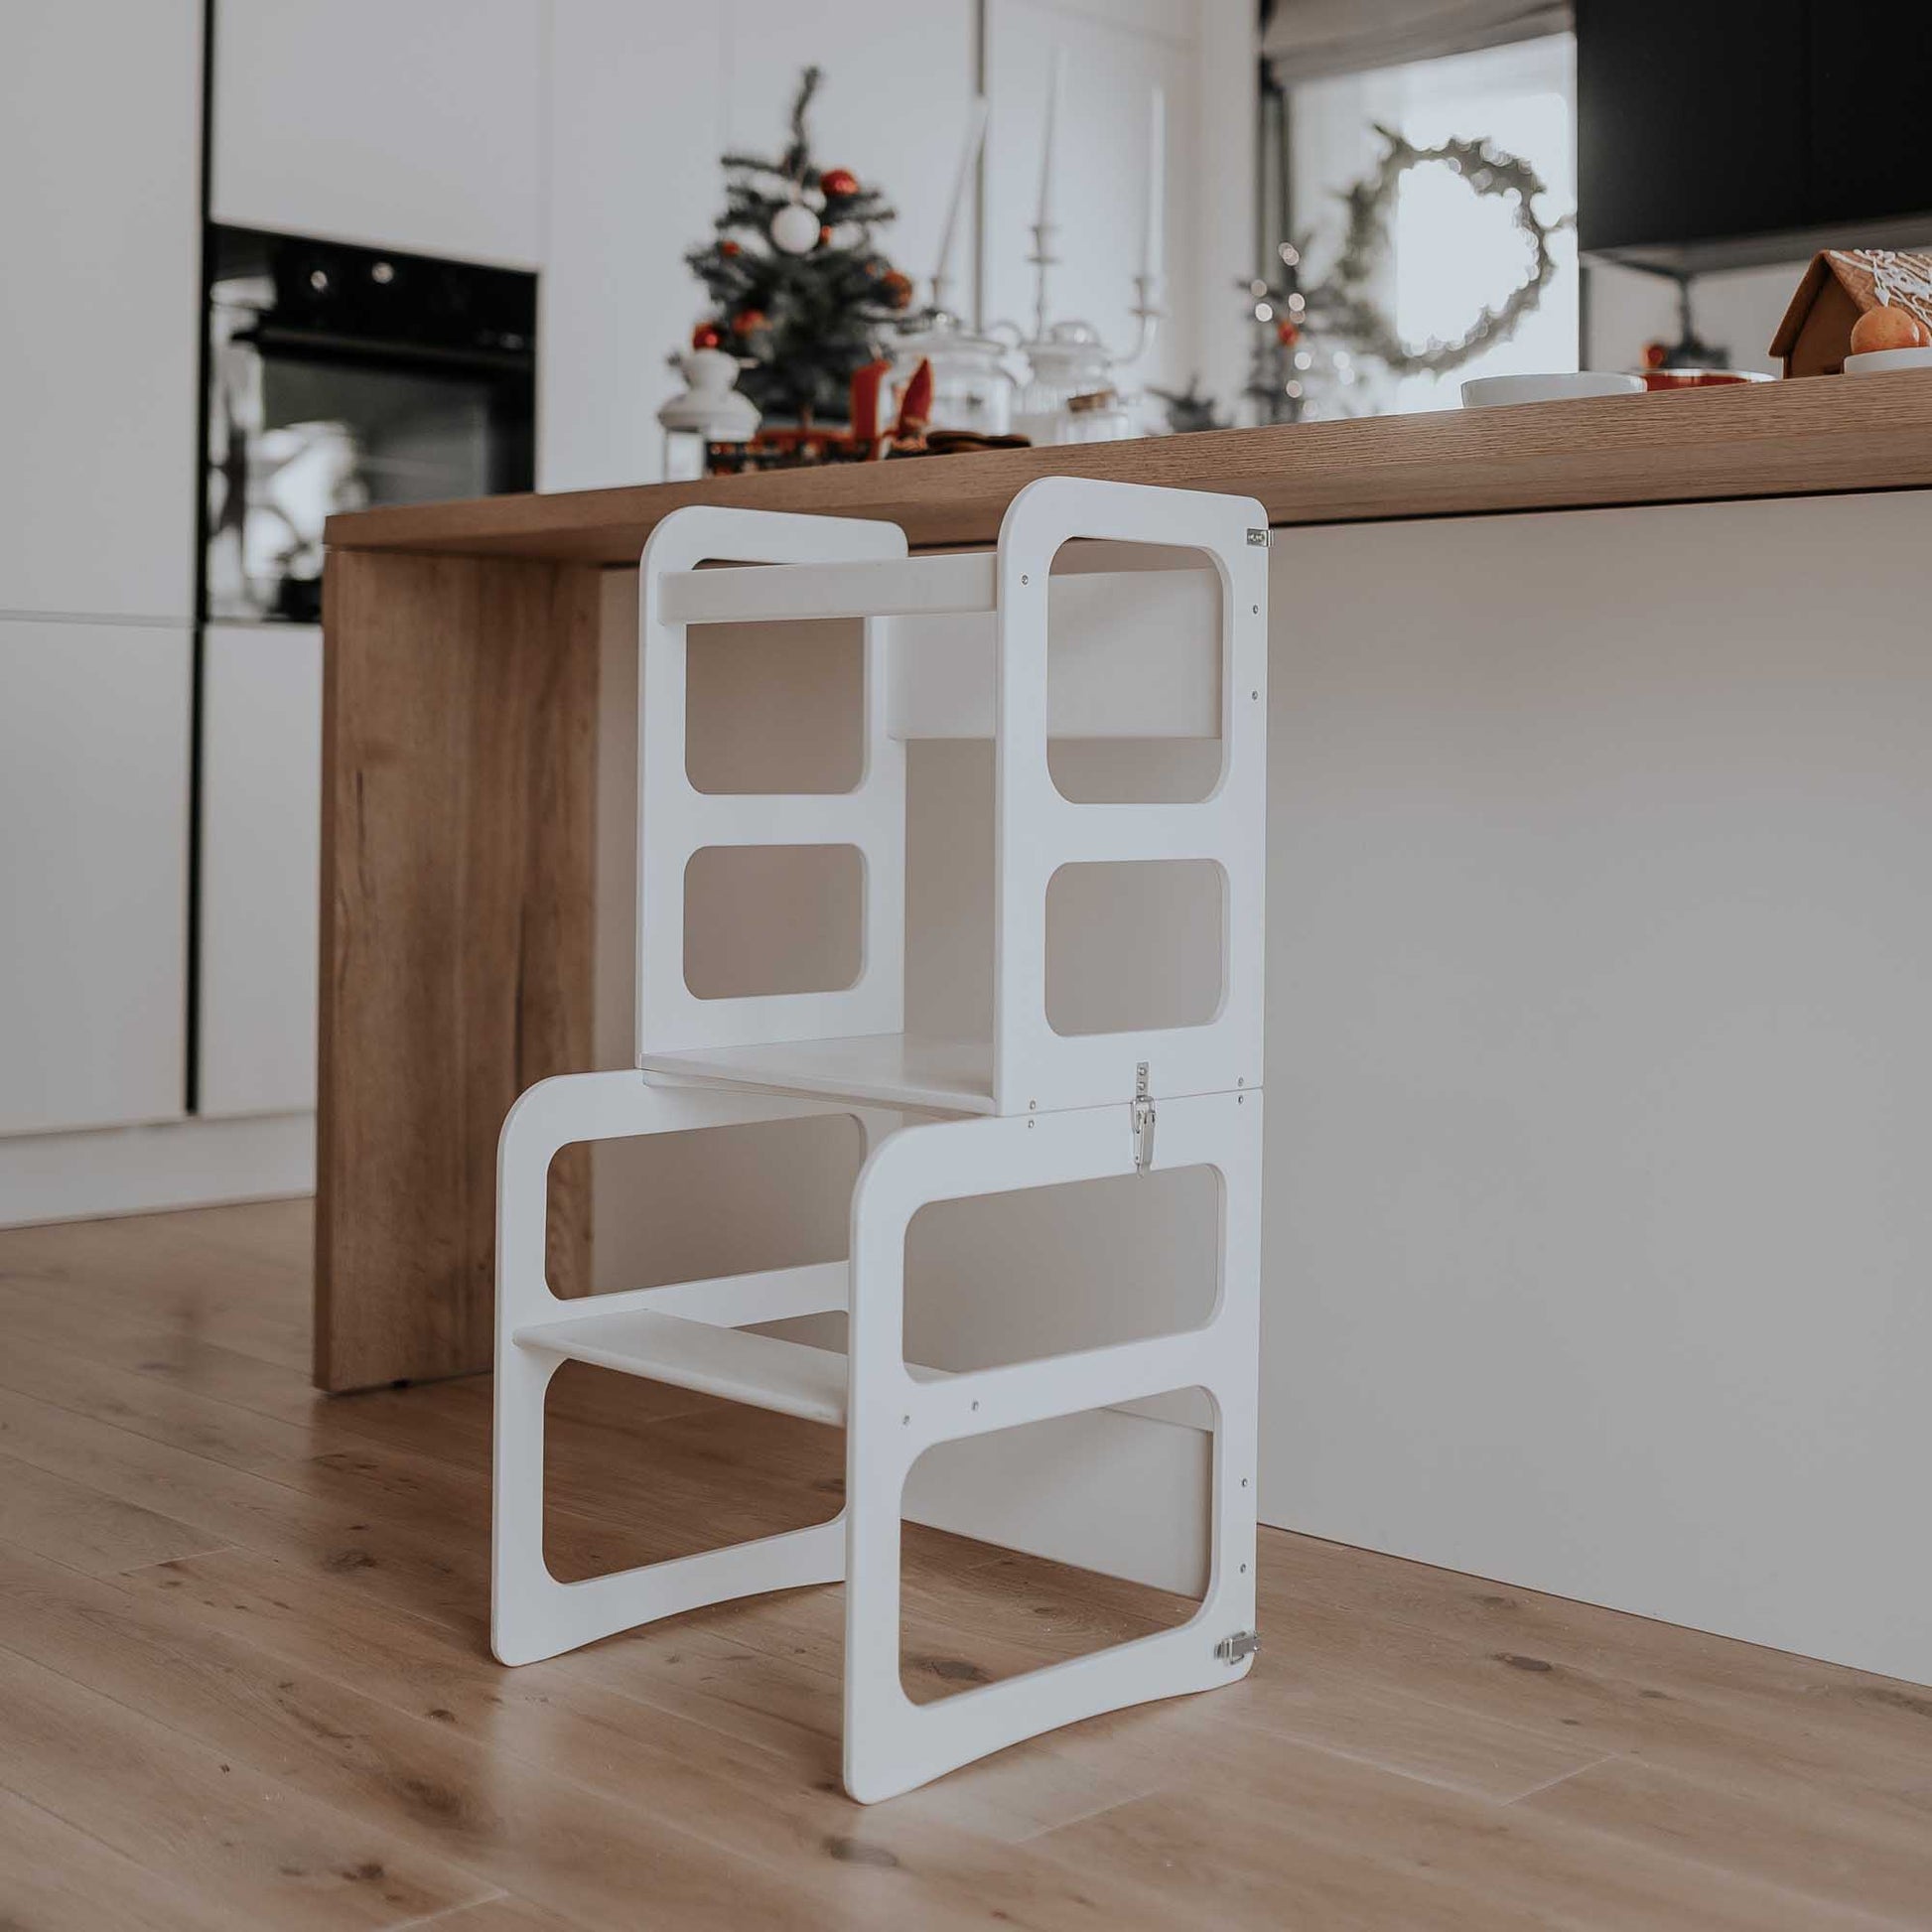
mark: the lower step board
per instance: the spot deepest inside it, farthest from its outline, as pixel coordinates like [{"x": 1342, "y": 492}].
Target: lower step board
[{"x": 786, "y": 1376}]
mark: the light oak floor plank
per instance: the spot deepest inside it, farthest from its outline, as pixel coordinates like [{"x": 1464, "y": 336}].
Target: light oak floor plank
[
  {"x": 44, "y": 1511},
  {"x": 230, "y": 1832},
  {"x": 203, "y": 1564}
]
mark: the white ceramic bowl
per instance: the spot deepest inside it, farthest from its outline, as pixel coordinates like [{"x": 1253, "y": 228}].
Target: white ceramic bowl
[
  {"x": 1488, "y": 391},
  {"x": 1881, "y": 362}
]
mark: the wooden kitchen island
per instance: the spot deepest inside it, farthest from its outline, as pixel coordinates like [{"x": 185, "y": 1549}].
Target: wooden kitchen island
[{"x": 1597, "y": 909}]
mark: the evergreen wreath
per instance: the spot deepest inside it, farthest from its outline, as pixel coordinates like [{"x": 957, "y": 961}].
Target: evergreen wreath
[
  {"x": 799, "y": 319},
  {"x": 1348, "y": 314}
]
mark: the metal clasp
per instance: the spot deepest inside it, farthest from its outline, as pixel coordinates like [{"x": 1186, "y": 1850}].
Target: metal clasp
[
  {"x": 1244, "y": 1643},
  {"x": 1258, "y": 539},
  {"x": 1143, "y": 1120}
]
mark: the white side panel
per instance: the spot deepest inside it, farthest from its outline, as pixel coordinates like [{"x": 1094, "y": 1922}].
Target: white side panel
[
  {"x": 1598, "y": 1227},
  {"x": 676, "y": 821},
  {"x": 93, "y": 873},
  {"x": 1037, "y": 830},
  {"x": 261, "y": 862},
  {"x": 413, "y": 124},
  {"x": 99, "y": 327}
]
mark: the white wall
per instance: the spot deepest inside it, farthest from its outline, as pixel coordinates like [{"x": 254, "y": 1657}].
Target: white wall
[
  {"x": 1738, "y": 311},
  {"x": 1599, "y": 1076},
  {"x": 1202, "y": 55}
]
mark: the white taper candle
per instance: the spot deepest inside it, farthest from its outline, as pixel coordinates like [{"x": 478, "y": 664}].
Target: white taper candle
[
  {"x": 969, "y": 156},
  {"x": 1155, "y": 234},
  {"x": 1056, "y": 88}
]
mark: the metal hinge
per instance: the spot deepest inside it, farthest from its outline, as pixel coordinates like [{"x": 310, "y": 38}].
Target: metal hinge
[
  {"x": 1143, "y": 1121},
  {"x": 1257, "y": 539},
  {"x": 1244, "y": 1643}
]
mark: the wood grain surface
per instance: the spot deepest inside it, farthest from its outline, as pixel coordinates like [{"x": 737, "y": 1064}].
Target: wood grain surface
[
  {"x": 253, "y": 1689},
  {"x": 458, "y": 728},
  {"x": 1780, "y": 439}
]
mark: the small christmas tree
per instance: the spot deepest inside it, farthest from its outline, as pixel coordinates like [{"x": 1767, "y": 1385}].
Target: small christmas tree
[{"x": 798, "y": 292}]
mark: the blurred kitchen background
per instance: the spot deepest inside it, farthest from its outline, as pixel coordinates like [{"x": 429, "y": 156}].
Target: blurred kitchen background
[{"x": 270, "y": 257}]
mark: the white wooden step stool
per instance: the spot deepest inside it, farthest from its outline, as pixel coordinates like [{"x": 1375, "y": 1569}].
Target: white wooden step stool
[{"x": 943, "y": 1119}]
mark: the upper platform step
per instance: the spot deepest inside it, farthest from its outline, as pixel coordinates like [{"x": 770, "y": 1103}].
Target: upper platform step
[{"x": 916, "y": 1071}]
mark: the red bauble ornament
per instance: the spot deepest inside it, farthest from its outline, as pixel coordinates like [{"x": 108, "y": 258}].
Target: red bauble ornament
[
  {"x": 896, "y": 288},
  {"x": 747, "y": 321},
  {"x": 706, "y": 335},
  {"x": 837, "y": 184},
  {"x": 1288, "y": 334},
  {"x": 1655, "y": 355},
  {"x": 729, "y": 249}
]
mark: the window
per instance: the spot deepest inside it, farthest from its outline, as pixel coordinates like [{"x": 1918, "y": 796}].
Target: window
[{"x": 1452, "y": 252}]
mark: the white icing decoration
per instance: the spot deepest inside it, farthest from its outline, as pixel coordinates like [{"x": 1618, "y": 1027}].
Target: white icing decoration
[{"x": 1906, "y": 279}]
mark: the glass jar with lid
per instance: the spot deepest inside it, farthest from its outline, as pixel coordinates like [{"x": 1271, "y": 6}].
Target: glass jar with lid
[
  {"x": 1071, "y": 395},
  {"x": 971, "y": 389}
]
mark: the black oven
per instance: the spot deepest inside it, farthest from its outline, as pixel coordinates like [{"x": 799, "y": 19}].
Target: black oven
[{"x": 342, "y": 377}]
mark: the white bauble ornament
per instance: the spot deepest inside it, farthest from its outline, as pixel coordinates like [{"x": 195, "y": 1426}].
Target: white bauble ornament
[{"x": 795, "y": 230}]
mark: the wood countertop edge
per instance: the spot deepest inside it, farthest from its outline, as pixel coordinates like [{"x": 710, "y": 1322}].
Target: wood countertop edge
[{"x": 1818, "y": 436}]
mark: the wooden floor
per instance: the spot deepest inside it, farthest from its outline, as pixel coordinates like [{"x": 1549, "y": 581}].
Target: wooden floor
[{"x": 243, "y": 1684}]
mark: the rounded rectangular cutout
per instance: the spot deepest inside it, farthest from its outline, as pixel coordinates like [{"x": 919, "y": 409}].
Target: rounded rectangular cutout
[
  {"x": 717, "y": 1201},
  {"x": 1061, "y": 1511},
  {"x": 764, "y": 920},
  {"x": 992, "y": 1280},
  {"x": 1136, "y": 648},
  {"x": 1135, "y": 946},
  {"x": 638, "y": 1471},
  {"x": 775, "y": 708}
]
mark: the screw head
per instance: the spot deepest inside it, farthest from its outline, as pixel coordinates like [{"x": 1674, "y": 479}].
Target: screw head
[
  {"x": 1244, "y": 1569},
  {"x": 1025, "y": 579},
  {"x": 906, "y": 1420},
  {"x": 976, "y": 1405}
]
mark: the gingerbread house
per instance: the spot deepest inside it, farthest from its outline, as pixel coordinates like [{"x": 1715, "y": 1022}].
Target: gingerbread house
[{"x": 1838, "y": 287}]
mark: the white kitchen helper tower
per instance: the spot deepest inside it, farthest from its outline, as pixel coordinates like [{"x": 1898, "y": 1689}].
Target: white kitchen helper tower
[{"x": 943, "y": 1119}]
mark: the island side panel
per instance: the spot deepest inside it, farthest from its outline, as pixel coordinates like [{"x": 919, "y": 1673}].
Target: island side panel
[
  {"x": 1600, "y": 1071},
  {"x": 459, "y": 771}
]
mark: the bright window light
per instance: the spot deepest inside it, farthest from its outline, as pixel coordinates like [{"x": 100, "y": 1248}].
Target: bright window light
[{"x": 1452, "y": 251}]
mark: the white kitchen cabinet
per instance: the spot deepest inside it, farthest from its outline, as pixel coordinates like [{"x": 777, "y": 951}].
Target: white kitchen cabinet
[
  {"x": 410, "y": 124},
  {"x": 93, "y": 873},
  {"x": 260, "y": 870},
  {"x": 99, "y": 319}
]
